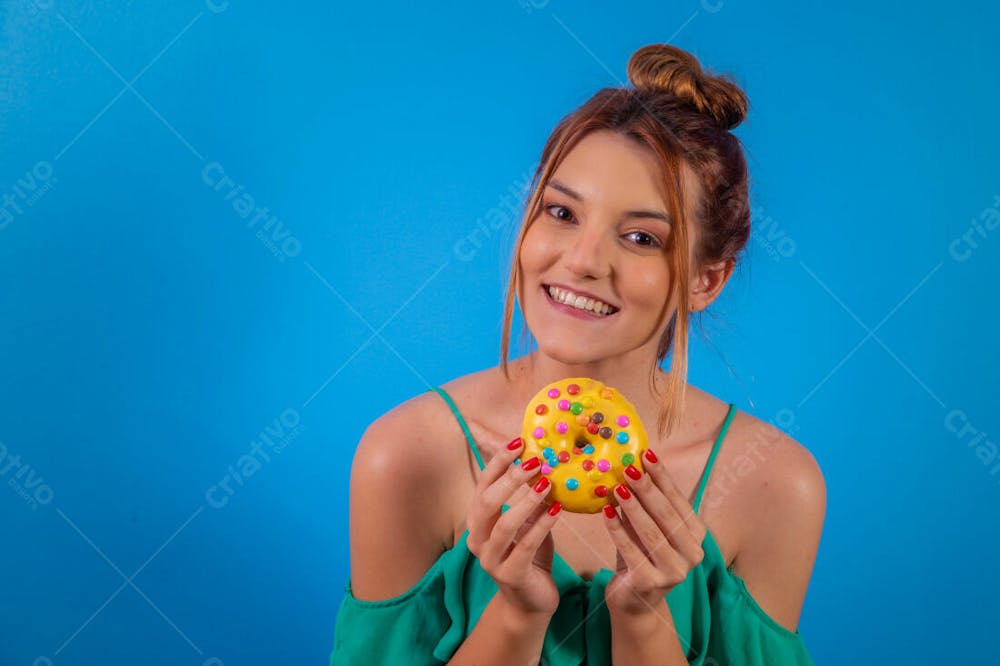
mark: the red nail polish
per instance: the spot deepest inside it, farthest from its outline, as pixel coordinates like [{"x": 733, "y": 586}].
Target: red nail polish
[
  {"x": 515, "y": 445},
  {"x": 650, "y": 456},
  {"x": 633, "y": 473},
  {"x": 622, "y": 491},
  {"x": 555, "y": 508},
  {"x": 609, "y": 511},
  {"x": 542, "y": 484},
  {"x": 531, "y": 464}
]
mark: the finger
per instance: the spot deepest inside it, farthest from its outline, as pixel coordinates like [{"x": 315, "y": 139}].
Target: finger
[
  {"x": 527, "y": 545},
  {"x": 628, "y": 549},
  {"x": 499, "y": 480},
  {"x": 498, "y": 465},
  {"x": 630, "y": 530},
  {"x": 658, "y": 472},
  {"x": 511, "y": 482},
  {"x": 668, "y": 522},
  {"x": 505, "y": 534},
  {"x": 646, "y": 531}
]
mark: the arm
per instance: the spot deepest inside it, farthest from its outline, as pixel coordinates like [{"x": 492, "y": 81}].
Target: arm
[
  {"x": 504, "y": 637},
  {"x": 646, "y": 639},
  {"x": 398, "y": 527},
  {"x": 400, "y": 522},
  {"x": 776, "y": 557}
]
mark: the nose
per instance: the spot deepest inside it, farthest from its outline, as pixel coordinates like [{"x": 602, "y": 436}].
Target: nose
[{"x": 588, "y": 254}]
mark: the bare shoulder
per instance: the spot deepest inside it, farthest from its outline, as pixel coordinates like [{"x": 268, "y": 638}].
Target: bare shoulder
[
  {"x": 781, "y": 501},
  {"x": 399, "y": 494},
  {"x": 782, "y": 469}
]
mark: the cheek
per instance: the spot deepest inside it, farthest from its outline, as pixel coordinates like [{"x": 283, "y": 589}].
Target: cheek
[
  {"x": 537, "y": 249},
  {"x": 651, "y": 286}
]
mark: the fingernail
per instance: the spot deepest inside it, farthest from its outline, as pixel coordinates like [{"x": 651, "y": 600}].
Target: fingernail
[
  {"x": 542, "y": 484},
  {"x": 650, "y": 456},
  {"x": 622, "y": 491},
  {"x": 609, "y": 511},
  {"x": 555, "y": 508},
  {"x": 531, "y": 464},
  {"x": 515, "y": 445},
  {"x": 633, "y": 473}
]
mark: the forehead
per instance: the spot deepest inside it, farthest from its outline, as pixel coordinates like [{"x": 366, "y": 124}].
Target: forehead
[{"x": 608, "y": 168}]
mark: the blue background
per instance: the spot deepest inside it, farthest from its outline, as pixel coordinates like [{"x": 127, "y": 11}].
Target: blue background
[{"x": 149, "y": 337}]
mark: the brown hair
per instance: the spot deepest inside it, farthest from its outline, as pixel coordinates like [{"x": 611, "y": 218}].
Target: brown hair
[{"x": 683, "y": 114}]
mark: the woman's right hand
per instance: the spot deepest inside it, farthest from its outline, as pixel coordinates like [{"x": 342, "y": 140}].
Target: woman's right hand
[{"x": 515, "y": 547}]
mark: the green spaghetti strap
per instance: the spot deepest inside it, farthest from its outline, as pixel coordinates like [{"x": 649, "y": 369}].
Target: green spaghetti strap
[
  {"x": 461, "y": 422},
  {"x": 711, "y": 457}
]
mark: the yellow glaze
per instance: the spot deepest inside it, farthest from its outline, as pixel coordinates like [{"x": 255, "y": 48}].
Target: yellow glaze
[{"x": 593, "y": 397}]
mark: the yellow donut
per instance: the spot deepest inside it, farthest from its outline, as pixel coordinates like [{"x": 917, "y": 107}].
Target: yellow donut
[{"x": 585, "y": 434}]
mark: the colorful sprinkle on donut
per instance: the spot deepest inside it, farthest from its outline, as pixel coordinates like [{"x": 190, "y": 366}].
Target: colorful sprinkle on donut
[{"x": 589, "y": 429}]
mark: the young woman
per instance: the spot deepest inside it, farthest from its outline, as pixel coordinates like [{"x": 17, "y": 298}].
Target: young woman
[{"x": 638, "y": 212}]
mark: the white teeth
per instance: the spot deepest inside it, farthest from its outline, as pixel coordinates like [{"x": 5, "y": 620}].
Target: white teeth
[{"x": 579, "y": 302}]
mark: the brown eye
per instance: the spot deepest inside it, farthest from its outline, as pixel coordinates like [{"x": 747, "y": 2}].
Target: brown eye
[
  {"x": 651, "y": 242},
  {"x": 568, "y": 215}
]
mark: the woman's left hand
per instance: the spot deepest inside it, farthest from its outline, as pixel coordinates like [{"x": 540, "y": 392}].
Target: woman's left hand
[{"x": 658, "y": 538}]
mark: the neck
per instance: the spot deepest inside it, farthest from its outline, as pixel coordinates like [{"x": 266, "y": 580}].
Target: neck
[{"x": 631, "y": 376}]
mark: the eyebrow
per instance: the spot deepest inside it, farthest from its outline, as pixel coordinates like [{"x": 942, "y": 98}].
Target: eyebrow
[{"x": 656, "y": 215}]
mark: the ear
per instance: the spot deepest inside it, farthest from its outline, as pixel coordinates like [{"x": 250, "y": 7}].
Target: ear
[{"x": 707, "y": 283}]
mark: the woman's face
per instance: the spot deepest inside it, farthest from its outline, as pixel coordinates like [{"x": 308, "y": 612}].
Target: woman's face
[{"x": 601, "y": 233}]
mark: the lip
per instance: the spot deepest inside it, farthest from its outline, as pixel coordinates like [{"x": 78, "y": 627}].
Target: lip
[
  {"x": 570, "y": 310},
  {"x": 580, "y": 292}
]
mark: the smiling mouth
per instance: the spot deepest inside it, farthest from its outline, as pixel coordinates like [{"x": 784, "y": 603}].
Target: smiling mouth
[{"x": 578, "y": 304}]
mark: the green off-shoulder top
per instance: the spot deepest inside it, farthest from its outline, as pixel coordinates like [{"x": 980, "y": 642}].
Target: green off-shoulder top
[{"x": 719, "y": 623}]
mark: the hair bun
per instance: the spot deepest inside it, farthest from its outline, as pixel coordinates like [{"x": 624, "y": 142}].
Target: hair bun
[{"x": 666, "y": 68}]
